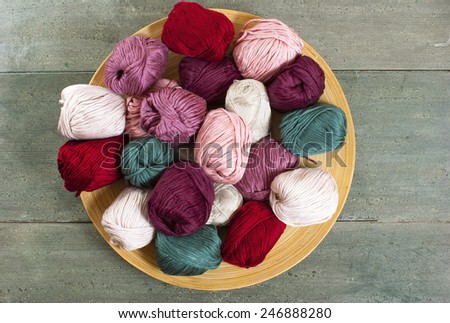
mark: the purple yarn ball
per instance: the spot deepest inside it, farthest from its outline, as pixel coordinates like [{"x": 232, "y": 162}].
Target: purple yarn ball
[
  {"x": 210, "y": 80},
  {"x": 182, "y": 200},
  {"x": 172, "y": 114},
  {"x": 267, "y": 159},
  {"x": 298, "y": 86},
  {"x": 135, "y": 64}
]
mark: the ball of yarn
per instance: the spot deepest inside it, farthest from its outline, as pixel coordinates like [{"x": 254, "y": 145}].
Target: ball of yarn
[
  {"x": 135, "y": 64},
  {"x": 210, "y": 80},
  {"x": 195, "y": 31},
  {"x": 267, "y": 160},
  {"x": 248, "y": 98},
  {"x": 222, "y": 146},
  {"x": 87, "y": 165},
  {"x": 144, "y": 160},
  {"x": 298, "y": 86},
  {"x": 262, "y": 51},
  {"x": 189, "y": 255},
  {"x": 126, "y": 221},
  {"x": 252, "y": 233},
  {"x": 90, "y": 112},
  {"x": 182, "y": 200},
  {"x": 133, "y": 104},
  {"x": 304, "y": 196},
  {"x": 315, "y": 130},
  {"x": 227, "y": 200},
  {"x": 172, "y": 114}
]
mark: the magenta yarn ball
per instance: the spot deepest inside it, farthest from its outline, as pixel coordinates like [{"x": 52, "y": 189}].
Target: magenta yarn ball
[
  {"x": 172, "y": 114},
  {"x": 267, "y": 159},
  {"x": 182, "y": 200},
  {"x": 135, "y": 64},
  {"x": 298, "y": 86},
  {"x": 210, "y": 80}
]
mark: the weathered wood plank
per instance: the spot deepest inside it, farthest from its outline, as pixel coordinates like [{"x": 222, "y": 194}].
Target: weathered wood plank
[
  {"x": 77, "y": 35},
  {"x": 401, "y": 121},
  {"x": 357, "y": 262}
]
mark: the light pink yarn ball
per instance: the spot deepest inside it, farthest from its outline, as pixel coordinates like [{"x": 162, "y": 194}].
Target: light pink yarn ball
[
  {"x": 262, "y": 51},
  {"x": 133, "y": 104},
  {"x": 222, "y": 146}
]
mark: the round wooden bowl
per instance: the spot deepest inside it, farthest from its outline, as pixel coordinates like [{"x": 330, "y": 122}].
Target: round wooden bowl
[{"x": 294, "y": 245}]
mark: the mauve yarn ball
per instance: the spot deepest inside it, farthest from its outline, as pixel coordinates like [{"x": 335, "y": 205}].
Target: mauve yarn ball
[
  {"x": 189, "y": 255},
  {"x": 222, "y": 146},
  {"x": 126, "y": 221},
  {"x": 144, "y": 160},
  {"x": 252, "y": 233},
  {"x": 304, "y": 196},
  {"x": 87, "y": 165},
  {"x": 210, "y": 80},
  {"x": 135, "y": 64},
  {"x": 260, "y": 52},
  {"x": 298, "y": 86},
  {"x": 90, "y": 112},
  {"x": 133, "y": 105},
  {"x": 182, "y": 200},
  {"x": 248, "y": 98},
  {"x": 315, "y": 130},
  {"x": 267, "y": 159},
  {"x": 195, "y": 31},
  {"x": 172, "y": 114},
  {"x": 227, "y": 200}
]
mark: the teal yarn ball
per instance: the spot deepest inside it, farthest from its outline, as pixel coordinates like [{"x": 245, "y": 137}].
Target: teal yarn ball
[
  {"x": 315, "y": 130},
  {"x": 144, "y": 159},
  {"x": 189, "y": 255}
]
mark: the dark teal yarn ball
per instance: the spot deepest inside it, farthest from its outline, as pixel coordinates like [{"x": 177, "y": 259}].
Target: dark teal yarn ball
[
  {"x": 144, "y": 159},
  {"x": 315, "y": 130},
  {"x": 189, "y": 255}
]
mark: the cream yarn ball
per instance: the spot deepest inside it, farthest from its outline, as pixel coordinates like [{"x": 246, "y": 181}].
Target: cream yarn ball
[
  {"x": 126, "y": 220},
  {"x": 249, "y": 99},
  {"x": 304, "y": 196},
  {"x": 91, "y": 112},
  {"x": 226, "y": 201}
]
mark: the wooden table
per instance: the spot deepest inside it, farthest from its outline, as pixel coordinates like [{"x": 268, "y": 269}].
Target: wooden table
[{"x": 392, "y": 241}]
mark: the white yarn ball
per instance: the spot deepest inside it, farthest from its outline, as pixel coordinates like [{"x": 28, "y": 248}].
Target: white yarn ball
[
  {"x": 227, "y": 200},
  {"x": 249, "y": 99},
  {"x": 126, "y": 220},
  {"x": 91, "y": 112},
  {"x": 304, "y": 196}
]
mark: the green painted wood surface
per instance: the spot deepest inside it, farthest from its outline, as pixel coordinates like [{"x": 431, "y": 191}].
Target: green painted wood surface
[{"x": 392, "y": 243}]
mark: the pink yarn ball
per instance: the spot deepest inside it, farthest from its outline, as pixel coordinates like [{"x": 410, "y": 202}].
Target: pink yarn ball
[
  {"x": 133, "y": 104},
  {"x": 262, "y": 51},
  {"x": 267, "y": 159},
  {"x": 172, "y": 114},
  {"x": 135, "y": 64},
  {"x": 222, "y": 146}
]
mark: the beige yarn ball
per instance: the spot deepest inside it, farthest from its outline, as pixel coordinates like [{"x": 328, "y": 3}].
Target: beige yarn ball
[{"x": 227, "y": 200}]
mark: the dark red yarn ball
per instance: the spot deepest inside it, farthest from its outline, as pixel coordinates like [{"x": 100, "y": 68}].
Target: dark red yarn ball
[
  {"x": 195, "y": 31},
  {"x": 182, "y": 199},
  {"x": 298, "y": 85},
  {"x": 210, "y": 80},
  {"x": 252, "y": 233},
  {"x": 87, "y": 165}
]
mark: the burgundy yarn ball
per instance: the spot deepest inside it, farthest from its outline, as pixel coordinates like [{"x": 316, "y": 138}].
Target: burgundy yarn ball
[
  {"x": 195, "y": 31},
  {"x": 210, "y": 80},
  {"x": 253, "y": 231},
  {"x": 298, "y": 86},
  {"x": 172, "y": 114},
  {"x": 87, "y": 165},
  {"x": 267, "y": 159},
  {"x": 135, "y": 64},
  {"x": 182, "y": 200}
]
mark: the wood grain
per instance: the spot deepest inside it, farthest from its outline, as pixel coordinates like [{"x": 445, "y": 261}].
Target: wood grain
[
  {"x": 358, "y": 262},
  {"x": 46, "y": 35}
]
